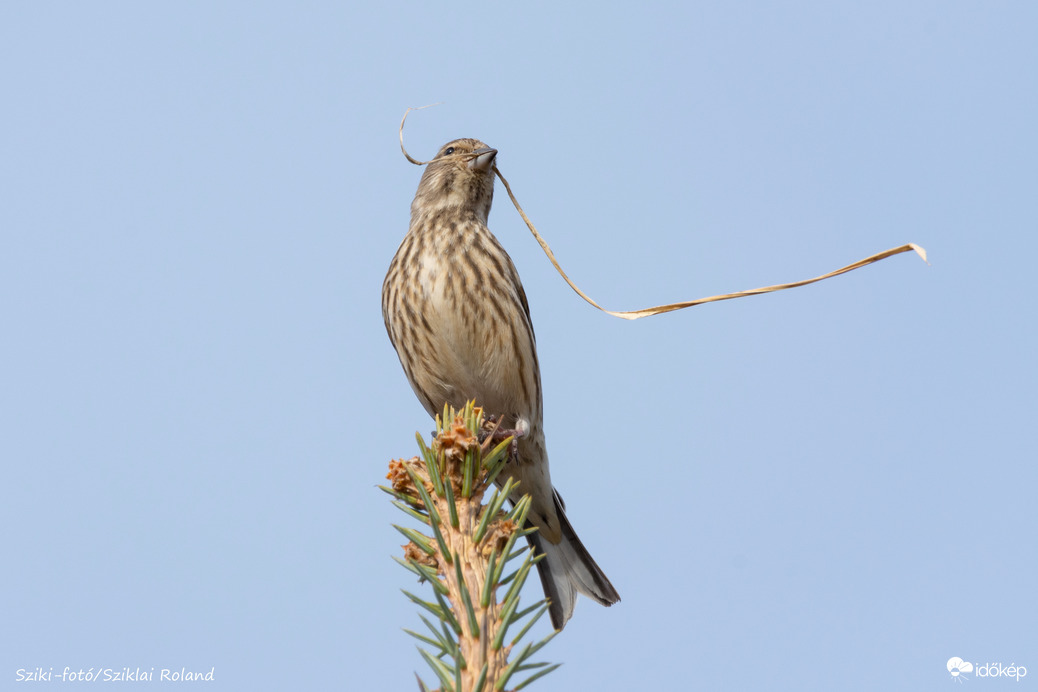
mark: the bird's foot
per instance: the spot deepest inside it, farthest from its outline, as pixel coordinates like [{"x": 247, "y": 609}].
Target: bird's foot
[{"x": 494, "y": 434}]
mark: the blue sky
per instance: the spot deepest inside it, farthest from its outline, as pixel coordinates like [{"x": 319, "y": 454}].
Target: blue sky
[{"x": 826, "y": 488}]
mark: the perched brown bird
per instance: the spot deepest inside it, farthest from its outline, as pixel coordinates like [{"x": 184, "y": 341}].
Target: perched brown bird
[{"x": 458, "y": 318}]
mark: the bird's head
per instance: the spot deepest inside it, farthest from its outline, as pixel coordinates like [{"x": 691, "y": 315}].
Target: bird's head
[{"x": 461, "y": 175}]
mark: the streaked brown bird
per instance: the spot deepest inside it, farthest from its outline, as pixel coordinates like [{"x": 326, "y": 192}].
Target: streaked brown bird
[{"x": 457, "y": 315}]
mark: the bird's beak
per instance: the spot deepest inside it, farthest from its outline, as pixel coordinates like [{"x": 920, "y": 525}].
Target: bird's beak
[{"x": 482, "y": 159}]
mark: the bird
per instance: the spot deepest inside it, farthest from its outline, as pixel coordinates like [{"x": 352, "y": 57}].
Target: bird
[{"x": 457, "y": 315}]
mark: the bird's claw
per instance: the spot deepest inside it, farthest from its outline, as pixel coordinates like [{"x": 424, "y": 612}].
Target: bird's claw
[{"x": 493, "y": 432}]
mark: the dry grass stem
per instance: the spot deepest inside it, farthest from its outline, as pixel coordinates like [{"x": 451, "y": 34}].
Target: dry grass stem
[{"x": 670, "y": 307}]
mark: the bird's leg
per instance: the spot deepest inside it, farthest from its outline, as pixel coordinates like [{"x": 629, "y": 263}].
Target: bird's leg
[{"x": 493, "y": 432}]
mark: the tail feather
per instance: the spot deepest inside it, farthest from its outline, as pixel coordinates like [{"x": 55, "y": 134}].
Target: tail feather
[{"x": 568, "y": 569}]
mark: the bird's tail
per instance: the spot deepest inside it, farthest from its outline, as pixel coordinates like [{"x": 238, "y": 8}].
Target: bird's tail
[{"x": 568, "y": 568}]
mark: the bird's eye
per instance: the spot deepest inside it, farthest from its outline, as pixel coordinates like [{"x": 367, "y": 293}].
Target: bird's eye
[{"x": 450, "y": 150}]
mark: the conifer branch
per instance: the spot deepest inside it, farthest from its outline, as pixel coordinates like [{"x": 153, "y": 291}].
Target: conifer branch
[{"x": 465, "y": 555}]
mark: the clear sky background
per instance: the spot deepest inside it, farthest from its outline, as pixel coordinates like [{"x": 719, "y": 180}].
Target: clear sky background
[{"x": 826, "y": 488}]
